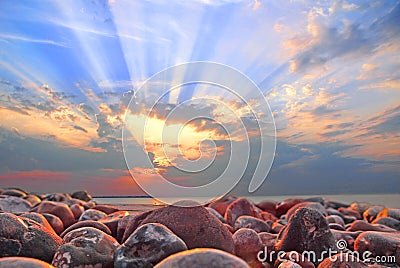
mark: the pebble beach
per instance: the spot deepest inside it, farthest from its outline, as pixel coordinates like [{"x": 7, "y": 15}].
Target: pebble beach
[{"x": 73, "y": 230}]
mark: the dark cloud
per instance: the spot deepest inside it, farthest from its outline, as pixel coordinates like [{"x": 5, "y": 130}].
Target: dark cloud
[
  {"x": 16, "y": 109},
  {"x": 80, "y": 128}
]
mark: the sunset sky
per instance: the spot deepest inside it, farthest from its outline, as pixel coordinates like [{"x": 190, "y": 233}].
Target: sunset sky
[{"x": 328, "y": 69}]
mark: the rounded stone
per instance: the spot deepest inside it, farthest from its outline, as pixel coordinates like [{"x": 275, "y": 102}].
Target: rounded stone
[
  {"x": 92, "y": 214},
  {"x": 60, "y": 210},
  {"x": 389, "y": 222},
  {"x": 251, "y": 223},
  {"x": 194, "y": 225},
  {"x": 86, "y": 247},
  {"x": 27, "y": 238},
  {"x": 14, "y": 192},
  {"x": 247, "y": 245},
  {"x": 216, "y": 214},
  {"x": 360, "y": 225},
  {"x": 311, "y": 205},
  {"x": 106, "y": 208},
  {"x": 33, "y": 199},
  {"x": 149, "y": 244},
  {"x": 89, "y": 223},
  {"x": 220, "y": 205},
  {"x": 307, "y": 230},
  {"x": 77, "y": 210},
  {"x": 39, "y": 218},
  {"x": 370, "y": 213},
  {"x": 284, "y": 206},
  {"x": 241, "y": 207},
  {"x": 82, "y": 195},
  {"x": 268, "y": 206},
  {"x": 342, "y": 259},
  {"x": 112, "y": 220},
  {"x": 202, "y": 257},
  {"x": 14, "y": 204},
  {"x": 23, "y": 262},
  {"x": 55, "y": 222}
]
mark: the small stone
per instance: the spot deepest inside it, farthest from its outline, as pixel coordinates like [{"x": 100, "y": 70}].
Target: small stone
[
  {"x": 336, "y": 226},
  {"x": 289, "y": 264},
  {"x": 89, "y": 223},
  {"x": 33, "y": 199},
  {"x": 295, "y": 258},
  {"x": 350, "y": 212},
  {"x": 122, "y": 225},
  {"x": 342, "y": 259},
  {"x": 335, "y": 219},
  {"x": 220, "y": 205},
  {"x": 247, "y": 246},
  {"x": 359, "y": 206},
  {"x": 276, "y": 227},
  {"x": 77, "y": 210},
  {"x": 60, "y": 210},
  {"x": 268, "y": 206},
  {"x": 371, "y": 213},
  {"x": 149, "y": 244},
  {"x": 266, "y": 216},
  {"x": 57, "y": 197},
  {"x": 390, "y": 212},
  {"x": 23, "y": 262},
  {"x": 14, "y": 204},
  {"x": 379, "y": 244},
  {"x": 360, "y": 225},
  {"x": 82, "y": 195},
  {"x": 389, "y": 222},
  {"x": 55, "y": 222},
  {"x": 112, "y": 221},
  {"x": 202, "y": 257},
  {"x": 106, "y": 208},
  {"x": 194, "y": 225},
  {"x": 241, "y": 207},
  {"x": 251, "y": 223},
  {"x": 92, "y": 214},
  {"x": 14, "y": 192},
  {"x": 307, "y": 230},
  {"x": 86, "y": 247},
  {"x": 284, "y": 206}
]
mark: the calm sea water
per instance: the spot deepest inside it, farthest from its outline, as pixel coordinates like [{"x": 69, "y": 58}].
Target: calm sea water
[{"x": 147, "y": 203}]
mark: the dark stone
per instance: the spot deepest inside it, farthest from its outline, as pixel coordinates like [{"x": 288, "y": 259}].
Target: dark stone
[
  {"x": 350, "y": 212},
  {"x": 311, "y": 205},
  {"x": 284, "y": 206},
  {"x": 268, "y": 206},
  {"x": 92, "y": 214},
  {"x": 295, "y": 258},
  {"x": 33, "y": 199},
  {"x": 379, "y": 244},
  {"x": 359, "y": 206},
  {"x": 335, "y": 205},
  {"x": 14, "y": 204},
  {"x": 336, "y": 226},
  {"x": 89, "y": 223},
  {"x": 276, "y": 227},
  {"x": 241, "y": 207},
  {"x": 390, "y": 212},
  {"x": 371, "y": 213},
  {"x": 202, "y": 257},
  {"x": 23, "y": 262},
  {"x": 149, "y": 244},
  {"x": 86, "y": 247},
  {"x": 360, "y": 225},
  {"x": 307, "y": 230},
  {"x": 77, "y": 210},
  {"x": 194, "y": 225},
  {"x": 247, "y": 245},
  {"x": 335, "y": 219},
  {"x": 251, "y": 223},
  {"x": 57, "y": 197},
  {"x": 123, "y": 223},
  {"x": 14, "y": 192},
  {"x": 55, "y": 222},
  {"x": 389, "y": 222},
  {"x": 27, "y": 238},
  {"x": 82, "y": 195},
  {"x": 112, "y": 221}
]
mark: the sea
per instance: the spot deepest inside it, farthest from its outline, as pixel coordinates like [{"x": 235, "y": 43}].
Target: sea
[{"x": 145, "y": 203}]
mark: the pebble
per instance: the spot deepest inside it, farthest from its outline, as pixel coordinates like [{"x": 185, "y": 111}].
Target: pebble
[
  {"x": 389, "y": 222},
  {"x": 220, "y": 205},
  {"x": 14, "y": 204},
  {"x": 55, "y": 222},
  {"x": 360, "y": 225},
  {"x": 202, "y": 257},
  {"x": 284, "y": 206},
  {"x": 247, "y": 245},
  {"x": 311, "y": 205},
  {"x": 112, "y": 220},
  {"x": 251, "y": 223},
  {"x": 241, "y": 207},
  {"x": 82, "y": 195},
  {"x": 307, "y": 230},
  {"x": 342, "y": 260},
  {"x": 216, "y": 214},
  {"x": 148, "y": 245},
  {"x": 89, "y": 223},
  {"x": 268, "y": 206},
  {"x": 194, "y": 225},
  {"x": 370, "y": 213},
  {"x": 390, "y": 212},
  {"x": 86, "y": 247},
  {"x": 60, "y": 210},
  {"x": 92, "y": 214},
  {"x": 14, "y": 192}
]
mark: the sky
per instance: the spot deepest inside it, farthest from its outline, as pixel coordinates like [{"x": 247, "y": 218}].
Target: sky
[{"x": 71, "y": 70}]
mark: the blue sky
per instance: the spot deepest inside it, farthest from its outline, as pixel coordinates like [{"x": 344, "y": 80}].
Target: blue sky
[{"x": 329, "y": 70}]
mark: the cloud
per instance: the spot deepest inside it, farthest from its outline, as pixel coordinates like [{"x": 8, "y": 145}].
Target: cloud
[
  {"x": 32, "y": 40},
  {"x": 80, "y": 128}
]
